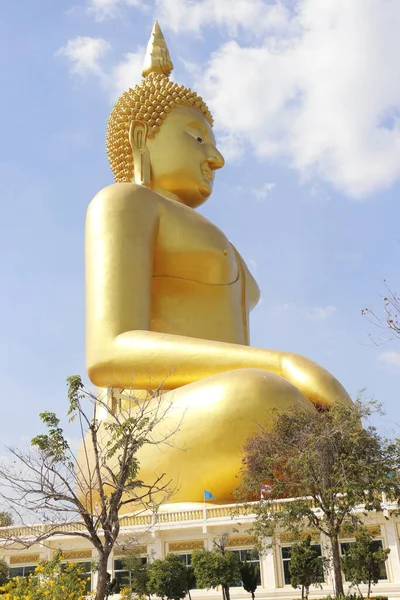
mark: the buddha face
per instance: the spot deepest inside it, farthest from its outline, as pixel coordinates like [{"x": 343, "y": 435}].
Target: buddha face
[{"x": 183, "y": 157}]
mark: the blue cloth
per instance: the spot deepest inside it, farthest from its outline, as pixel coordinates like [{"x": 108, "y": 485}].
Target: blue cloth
[{"x": 208, "y": 495}]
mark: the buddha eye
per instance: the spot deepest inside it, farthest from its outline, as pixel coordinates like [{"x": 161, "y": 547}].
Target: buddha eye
[{"x": 198, "y": 139}]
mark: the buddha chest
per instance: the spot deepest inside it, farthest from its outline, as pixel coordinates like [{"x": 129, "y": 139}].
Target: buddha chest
[{"x": 189, "y": 247}]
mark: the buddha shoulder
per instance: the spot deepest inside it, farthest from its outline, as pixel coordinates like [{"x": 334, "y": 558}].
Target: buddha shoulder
[{"x": 123, "y": 199}]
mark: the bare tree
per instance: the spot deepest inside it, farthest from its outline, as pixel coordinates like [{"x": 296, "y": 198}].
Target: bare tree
[
  {"x": 389, "y": 321},
  {"x": 84, "y": 494}
]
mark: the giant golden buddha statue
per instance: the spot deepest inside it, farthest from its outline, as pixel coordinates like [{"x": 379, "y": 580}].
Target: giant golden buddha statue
[{"x": 169, "y": 297}]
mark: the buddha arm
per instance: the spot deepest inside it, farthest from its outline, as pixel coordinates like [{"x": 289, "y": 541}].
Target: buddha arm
[{"x": 121, "y": 231}]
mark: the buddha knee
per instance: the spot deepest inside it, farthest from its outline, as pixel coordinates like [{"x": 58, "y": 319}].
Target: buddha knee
[{"x": 260, "y": 389}]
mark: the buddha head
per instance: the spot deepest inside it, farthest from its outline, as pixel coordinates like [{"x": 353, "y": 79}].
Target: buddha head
[{"x": 160, "y": 135}]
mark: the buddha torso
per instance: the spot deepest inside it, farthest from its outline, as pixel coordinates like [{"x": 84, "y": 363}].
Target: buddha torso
[{"x": 198, "y": 276}]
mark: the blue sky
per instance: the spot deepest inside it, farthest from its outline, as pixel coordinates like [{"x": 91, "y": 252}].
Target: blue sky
[{"x": 306, "y": 98}]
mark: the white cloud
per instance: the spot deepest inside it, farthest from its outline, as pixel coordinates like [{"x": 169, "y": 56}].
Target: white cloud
[
  {"x": 125, "y": 74},
  {"x": 84, "y": 55},
  {"x": 319, "y": 313},
  {"x": 319, "y": 194},
  {"x": 111, "y": 9},
  {"x": 320, "y": 90},
  {"x": 311, "y": 83},
  {"x": 391, "y": 359},
  {"x": 264, "y": 190},
  {"x": 236, "y": 15}
]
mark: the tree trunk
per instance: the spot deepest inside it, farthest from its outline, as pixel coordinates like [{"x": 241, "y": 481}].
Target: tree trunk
[
  {"x": 101, "y": 588},
  {"x": 227, "y": 593},
  {"x": 337, "y": 572},
  {"x": 253, "y": 596}
]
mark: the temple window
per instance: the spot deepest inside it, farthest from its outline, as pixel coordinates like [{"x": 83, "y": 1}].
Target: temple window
[
  {"x": 121, "y": 575},
  {"x": 286, "y": 552},
  {"x": 23, "y": 571},
  {"x": 251, "y": 556},
  {"x": 376, "y": 544},
  {"x": 187, "y": 561}
]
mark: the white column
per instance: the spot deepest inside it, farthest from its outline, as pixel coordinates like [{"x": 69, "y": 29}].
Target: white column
[
  {"x": 268, "y": 568},
  {"x": 94, "y": 575},
  {"x": 393, "y": 544},
  {"x": 327, "y": 553},
  {"x": 155, "y": 548},
  {"x": 209, "y": 542}
]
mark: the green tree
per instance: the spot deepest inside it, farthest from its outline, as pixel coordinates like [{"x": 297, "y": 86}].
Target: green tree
[
  {"x": 249, "y": 574},
  {"x": 111, "y": 586},
  {"x": 213, "y": 568},
  {"x": 93, "y": 489},
  {"x": 4, "y": 572},
  {"x": 328, "y": 464},
  {"x": 168, "y": 578},
  {"x": 139, "y": 573},
  {"x": 305, "y": 567},
  {"x": 190, "y": 580},
  {"x": 6, "y": 519},
  {"x": 49, "y": 580},
  {"x": 362, "y": 562}
]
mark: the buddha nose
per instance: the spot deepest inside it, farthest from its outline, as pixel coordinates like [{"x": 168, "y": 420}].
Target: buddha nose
[{"x": 215, "y": 159}]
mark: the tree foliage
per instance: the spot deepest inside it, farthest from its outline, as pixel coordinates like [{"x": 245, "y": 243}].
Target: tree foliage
[
  {"x": 328, "y": 463},
  {"x": 49, "y": 580},
  {"x": 49, "y": 479},
  {"x": 139, "y": 572},
  {"x": 249, "y": 573},
  {"x": 6, "y": 519},
  {"x": 362, "y": 562},
  {"x": 4, "y": 572},
  {"x": 305, "y": 566},
  {"x": 168, "y": 578},
  {"x": 213, "y": 568},
  {"x": 190, "y": 579}
]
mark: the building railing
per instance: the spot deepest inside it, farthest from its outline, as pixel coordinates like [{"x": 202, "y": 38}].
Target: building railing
[{"x": 147, "y": 520}]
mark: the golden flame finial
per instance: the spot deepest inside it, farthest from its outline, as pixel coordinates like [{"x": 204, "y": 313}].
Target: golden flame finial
[{"x": 157, "y": 59}]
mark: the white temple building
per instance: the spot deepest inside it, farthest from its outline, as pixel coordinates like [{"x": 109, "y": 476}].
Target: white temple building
[{"x": 183, "y": 528}]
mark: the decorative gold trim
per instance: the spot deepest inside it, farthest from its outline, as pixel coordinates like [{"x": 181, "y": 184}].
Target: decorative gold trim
[
  {"x": 186, "y": 545},
  {"x": 289, "y": 537},
  {"x": 373, "y": 530},
  {"x": 134, "y": 549},
  {"x": 244, "y": 540},
  {"x": 24, "y": 559},
  {"x": 76, "y": 554}
]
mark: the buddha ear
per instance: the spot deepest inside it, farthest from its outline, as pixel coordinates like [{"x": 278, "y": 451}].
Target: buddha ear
[
  {"x": 141, "y": 157},
  {"x": 138, "y": 135}
]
